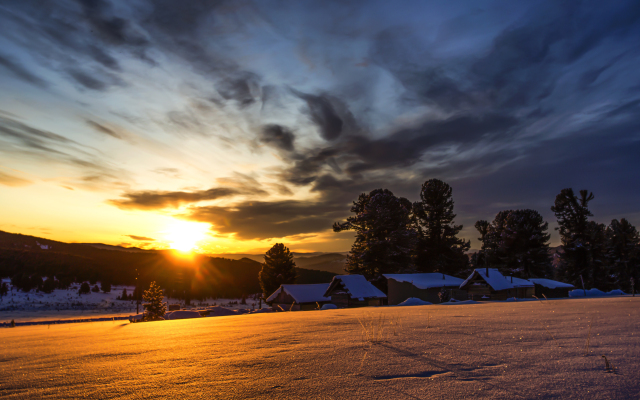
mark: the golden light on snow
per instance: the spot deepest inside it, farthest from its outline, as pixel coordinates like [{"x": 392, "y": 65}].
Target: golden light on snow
[{"x": 184, "y": 235}]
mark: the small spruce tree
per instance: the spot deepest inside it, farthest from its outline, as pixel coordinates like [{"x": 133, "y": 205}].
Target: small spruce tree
[
  {"x": 84, "y": 288},
  {"x": 154, "y": 307},
  {"x": 124, "y": 296},
  {"x": 4, "y": 289},
  {"x": 105, "y": 287},
  {"x": 278, "y": 268},
  {"x": 95, "y": 289}
]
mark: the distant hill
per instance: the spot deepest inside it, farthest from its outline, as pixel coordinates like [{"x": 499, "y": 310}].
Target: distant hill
[{"x": 28, "y": 259}]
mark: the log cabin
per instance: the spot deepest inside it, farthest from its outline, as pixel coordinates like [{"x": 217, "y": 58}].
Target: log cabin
[
  {"x": 290, "y": 297},
  {"x": 347, "y": 291},
  {"x": 490, "y": 284},
  {"x": 550, "y": 288},
  {"x": 424, "y": 286}
]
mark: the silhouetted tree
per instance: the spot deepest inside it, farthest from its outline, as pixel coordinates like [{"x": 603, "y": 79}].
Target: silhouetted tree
[
  {"x": 479, "y": 259},
  {"x": 623, "y": 253},
  {"x": 384, "y": 236},
  {"x": 95, "y": 289},
  {"x": 4, "y": 289},
  {"x": 84, "y": 288},
  {"x": 124, "y": 295},
  {"x": 278, "y": 268},
  {"x": 49, "y": 285},
  {"x": 518, "y": 244},
  {"x": 105, "y": 286},
  {"x": 154, "y": 307},
  {"x": 577, "y": 236},
  {"x": 438, "y": 249}
]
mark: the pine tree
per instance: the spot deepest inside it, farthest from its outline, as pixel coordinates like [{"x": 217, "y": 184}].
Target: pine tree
[
  {"x": 124, "y": 296},
  {"x": 278, "y": 268},
  {"x": 384, "y": 236},
  {"x": 154, "y": 307},
  {"x": 439, "y": 249},
  {"x": 623, "y": 253},
  {"x": 576, "y": 235},
  {"x": 4, "y": 289},
  {"x": 95, "y": 289},
  {"x": 517, "y": 243},
  {"x": 479, "y": 259}
]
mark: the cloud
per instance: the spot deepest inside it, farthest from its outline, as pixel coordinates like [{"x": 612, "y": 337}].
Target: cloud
[
  {"x": 141, "y": 238},
  {"x": 21, "y": 72},
  {"x": 103, "y": 129},
  {"x": 14, "y": 181},
  {"x": 154, "y": 200},
  {"x": 277, "y": 136}
]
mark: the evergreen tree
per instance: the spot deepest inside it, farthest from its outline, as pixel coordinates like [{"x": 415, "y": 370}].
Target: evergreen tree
[
  {"x": 438, "y": 249},
  {"x": 4, "y": 289},
  {"x": 384, "y": 236},
  {"x": 154, "y": 307},
  {"x": 577, "y": 236},
  {"x": 623, "y": 253},
  {"x": 278, "y": 268},
  {"x": 124, "y": 296},
  {"x": 105, "y": 286},
  {"x": 95, "y": 289},
  {"x": 479, "y": 259},
  {"x": 84, "y": 288},
  {"x": 49, "y": 285},
  {"x": 519, "y": 244}
]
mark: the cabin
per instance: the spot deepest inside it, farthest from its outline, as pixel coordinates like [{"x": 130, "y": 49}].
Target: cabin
[
  {"x": 425, "y": 287},
  {"x": 550, "y": 288},
  {"x": 290, "y": 297},
  {"x": 490, "y": 284},
  {"x": 347, "y": 291}
]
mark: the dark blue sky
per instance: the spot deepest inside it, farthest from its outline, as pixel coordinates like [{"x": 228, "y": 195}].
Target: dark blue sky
[{"x": 266, "y": 119}]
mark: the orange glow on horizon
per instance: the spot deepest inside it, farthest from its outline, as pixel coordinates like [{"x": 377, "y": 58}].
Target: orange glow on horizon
[{"x": 184, "y": 236}]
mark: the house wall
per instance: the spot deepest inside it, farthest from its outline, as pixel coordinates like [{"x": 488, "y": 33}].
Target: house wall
[
  {"x": 400, "y": 291},
  {"x": 551, "y": 293}
]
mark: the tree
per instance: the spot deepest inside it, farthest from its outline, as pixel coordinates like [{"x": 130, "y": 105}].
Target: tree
[
  {"x": 384, "y": 240},
  {"x": 49, "y": 285},
  {"x": 105, "y": 286},
  {"x": 577, "y": 236},
  {"x": 479, "y": 259},
  {"x": 438, "y": 249},
  {"x": 84, "y": 288},
  {"x": 517, "y": 243},
  {"x": 95, "y": 289},
  {"x": 623, "y": 253},
  {"x": 154, "y": 307},
  {"x": 124, "y": 295},
  {"x": 4, "y": 289},
  {"x": 278, "y": 268}
]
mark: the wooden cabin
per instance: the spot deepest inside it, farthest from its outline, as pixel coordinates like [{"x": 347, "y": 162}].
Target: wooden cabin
[
  {"x": 347, "y": 291},
  {"x": 299, "y": 297},
  {"x": 550, "y": 288},
  {"x": 425, "y": 287},
  {"x": 490, "y": 284}
]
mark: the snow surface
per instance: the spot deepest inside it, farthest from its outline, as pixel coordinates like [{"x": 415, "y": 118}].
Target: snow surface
[
  {"x": 329, "y": 306},
  {"x": 427, "y": 280},
  {"x": 550, "y": 283},
  {"x": 498, "y": 281},
  {"x": 310, "y": 293},
  {"x": 523, "y": 350},
  {"x": 414, "y": 301},
  {"x": 182, "y": 314},
  {"x": 595, "y": 293},
  {"x": 359, "y": 287}
]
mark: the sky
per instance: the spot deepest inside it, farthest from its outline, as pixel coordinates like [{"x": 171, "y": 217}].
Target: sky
[{"x": 239, "y": 124}]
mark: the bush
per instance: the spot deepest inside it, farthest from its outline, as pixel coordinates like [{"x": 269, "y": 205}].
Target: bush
[
  {"x": 84, "y": 288},
  {"x": 49, "y": 285},
  {"x": 95, "y": 289}
]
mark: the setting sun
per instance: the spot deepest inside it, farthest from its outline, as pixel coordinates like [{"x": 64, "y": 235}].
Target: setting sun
[{"x": 184, "y": 236}]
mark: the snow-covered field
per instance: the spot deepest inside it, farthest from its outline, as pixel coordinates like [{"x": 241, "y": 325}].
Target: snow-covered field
[
  {"x": 69, "y": 305},
  {"x": 509, "y": 350}
]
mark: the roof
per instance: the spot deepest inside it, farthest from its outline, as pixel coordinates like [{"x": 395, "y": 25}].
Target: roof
[
  {"x": 497, "y": 281},
  {"x": 303, "y": 293},
  {"x": 551, "y": 284},
  {"x": 426, "y": 281},
  {"x": 357, "y": 286}
]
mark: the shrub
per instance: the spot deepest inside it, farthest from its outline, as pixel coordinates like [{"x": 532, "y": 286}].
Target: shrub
[{"x": 84, "y": 288}]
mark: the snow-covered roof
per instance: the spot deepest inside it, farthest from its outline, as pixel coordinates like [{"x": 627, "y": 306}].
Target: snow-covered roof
[
  {"x": 498, "y": 281},
  {"x": 357, "y": 286},
  {"x": 303, "y": 293},
  {"x": 551, "y": 284},
  {"x": 426, "y": 281}
]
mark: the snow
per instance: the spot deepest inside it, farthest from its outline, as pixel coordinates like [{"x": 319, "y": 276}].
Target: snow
[
  {"x": 498, "y": 281},
  {"x": 358, "y": 287},
  {"x": 595, "y": 293},
  {"x": 454, "y": 302},
  {"x": 181, "y": 314},
  {"x": 616, "y": 292},
  {"x": 329, "y": 306},
  {"x": 427, "y": 280},
  {"x": 303, "y": 293},
  {"x": 414, "y": 301},
  {"x": 522, "y": 350},
  {"x": 550, "y": 284},
  {"x": 219, "y": 311}
]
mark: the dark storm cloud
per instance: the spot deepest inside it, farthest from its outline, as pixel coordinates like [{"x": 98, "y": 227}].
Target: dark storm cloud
[
  {"x": 277, "y": 136},
  {"x": 265, "y": 220},
  {"x": 21, "y": 71},
  {"x": 154, "y": 200}
]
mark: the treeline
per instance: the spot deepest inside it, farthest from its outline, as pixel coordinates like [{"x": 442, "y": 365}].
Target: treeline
[
  {"x": 198, "y": 277},
  {"x": 394, "y": 235}
]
